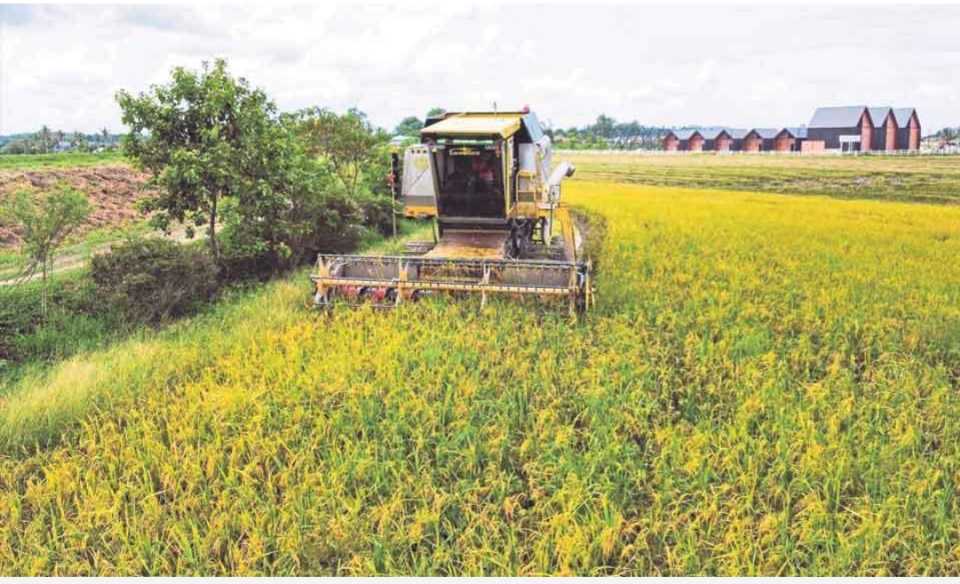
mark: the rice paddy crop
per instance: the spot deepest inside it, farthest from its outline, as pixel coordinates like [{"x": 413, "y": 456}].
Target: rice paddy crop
[
  {"x": 928, "y": 179},
  {"x": 769, "y": 385}
]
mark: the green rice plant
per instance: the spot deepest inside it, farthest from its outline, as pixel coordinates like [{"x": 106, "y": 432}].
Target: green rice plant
[{"x": 768, "y": 385}]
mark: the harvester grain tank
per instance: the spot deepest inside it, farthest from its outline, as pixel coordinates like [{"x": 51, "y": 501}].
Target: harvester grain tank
[{"x": 489, "y": 181}]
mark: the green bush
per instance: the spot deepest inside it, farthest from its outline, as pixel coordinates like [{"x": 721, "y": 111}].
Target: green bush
[
  {"x": 152, "y": 280},
  {"x": 316, "y": 216},
  {"x": 20, "y": 311},
  {"x": 240, "y": 261},
  {"x": 377, "y": 212}
]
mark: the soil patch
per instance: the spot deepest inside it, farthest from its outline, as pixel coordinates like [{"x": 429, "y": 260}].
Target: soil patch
[{"x": 113, "y": 191}]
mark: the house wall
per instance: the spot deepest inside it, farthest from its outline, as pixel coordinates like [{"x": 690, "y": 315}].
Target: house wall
[
  {"x": 723, "y": 144},
  {"x": 784, "y": 142},
  {"x": 695, "y": 143},
  {"x": 809, "y": 146},
  {"x": 885, "y": 137},
  {"x": 913, "y": 143},
  {"x": 866, "y": 133},
  {"x": 671, "y": 143},
  {"x": 908, "y": 137},
  {"x": 831, "y": 136}
]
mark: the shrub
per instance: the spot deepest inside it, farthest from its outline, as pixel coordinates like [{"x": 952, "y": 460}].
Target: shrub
[
  {"x": 47, "y": 220},
  {"x": 313, "y": 215},
  {"x": 20, "y": 314},
  {"x": 377, "y": 212},
  {"x": 151, "y": 280}
]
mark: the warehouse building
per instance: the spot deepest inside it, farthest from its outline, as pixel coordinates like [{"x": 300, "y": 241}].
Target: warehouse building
[
  {"x": 716, "y": 139},
  {"x": 847, "y": 129},
  {"x": 671, "y": 142},
  {"x": 908, "y": 128},
  {"x": 736, "y": 140},
  {"x": 861, "y": 128},
  {"x": 684, "y": 140},
  {"x": 884, "y": 128},
  {"x": 759, "y": 139},
  {"x": 789, "y": 139},
  {"x": 737, "y": 135}
]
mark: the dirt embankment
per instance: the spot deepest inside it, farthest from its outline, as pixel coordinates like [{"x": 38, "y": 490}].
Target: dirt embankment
[{"x": 113, "y": 191}]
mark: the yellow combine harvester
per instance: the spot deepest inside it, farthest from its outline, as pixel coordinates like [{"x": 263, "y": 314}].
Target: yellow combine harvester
[{"x": 486, "y": 178}]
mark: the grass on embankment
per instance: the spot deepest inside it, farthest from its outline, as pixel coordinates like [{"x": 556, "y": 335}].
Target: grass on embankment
[
  {"x": 77, "y": 252},
  {"x": 78, "y": 323},
  {"x": 59, "y": 160},
  {"x": 927, "y": 179},
  {"x": 769, "y": 385}
]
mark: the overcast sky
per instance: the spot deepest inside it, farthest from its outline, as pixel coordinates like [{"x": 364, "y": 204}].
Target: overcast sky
[{"x": 737, "y": 66}]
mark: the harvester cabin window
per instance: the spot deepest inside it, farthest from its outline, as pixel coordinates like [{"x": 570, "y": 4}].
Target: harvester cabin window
[{"x": 471, "y": 184}]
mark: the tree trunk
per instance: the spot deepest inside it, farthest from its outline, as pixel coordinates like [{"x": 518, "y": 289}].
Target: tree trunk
[
  {"x": 43, "y": 289},
  {"x": 212, "y": 232}
]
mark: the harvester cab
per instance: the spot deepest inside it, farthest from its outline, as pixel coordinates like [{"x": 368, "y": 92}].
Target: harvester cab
[{"x": 488, "y": 181}]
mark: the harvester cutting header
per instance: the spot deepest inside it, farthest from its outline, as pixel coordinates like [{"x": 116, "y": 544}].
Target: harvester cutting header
[{"x": 488, "y": 180}]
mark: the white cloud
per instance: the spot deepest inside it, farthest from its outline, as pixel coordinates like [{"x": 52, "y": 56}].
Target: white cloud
[{"x": 740, "y": 65}]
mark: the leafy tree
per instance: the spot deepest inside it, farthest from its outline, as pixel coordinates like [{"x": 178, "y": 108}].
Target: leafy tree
[
  {"x": 608, "y": 133},
  {"x": 604, "y": 126},
  {"x": 44, "y": 137},
  {"x": 306, "y": 210},
  {"x": 409, "y": 126},
  {"x": 348, "y": 142},
  {"x": 46, "y": 220},
  {"x": 19, "y": 147},
  {"x": 80, "y": 141},
  {"x": 436, "y": 111},
  {"x": 207, "y": 138}
]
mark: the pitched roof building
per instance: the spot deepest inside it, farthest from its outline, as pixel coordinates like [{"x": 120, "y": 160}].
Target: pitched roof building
[
  {"x": 847, "y": 128},
  {"x": 884, "y": 128},
  {"x": 908, "y": 128},
  {"x": 717, "y": 139},
  {"x": 865, "y": 128}
]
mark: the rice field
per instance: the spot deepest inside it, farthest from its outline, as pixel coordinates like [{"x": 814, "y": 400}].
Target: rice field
[
  {"x": 927, "y": 179},
  {"x": 768, "y": 385}
]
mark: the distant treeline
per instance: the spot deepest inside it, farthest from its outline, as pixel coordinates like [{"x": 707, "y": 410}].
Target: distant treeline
[
  {"x": 608, "y": 134},
  {"x": 604, "y": 134},
  {"x": 948, "y": 135},
  {"x": 46, "y": 141}
]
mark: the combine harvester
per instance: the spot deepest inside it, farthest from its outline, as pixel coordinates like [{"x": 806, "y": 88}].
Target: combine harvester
[{"x": 499, "y": 226}]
